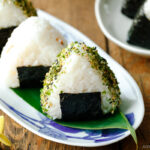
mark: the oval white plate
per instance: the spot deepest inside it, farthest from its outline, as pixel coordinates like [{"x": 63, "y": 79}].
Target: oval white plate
[
  {"x": 37, "y": 123},
  {"x": 115, "y": 25}
]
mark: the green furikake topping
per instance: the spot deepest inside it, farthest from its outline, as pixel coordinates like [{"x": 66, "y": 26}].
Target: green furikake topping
[
  {"x": 97, "y": 62},
  {"x": 26, "y": 6}
]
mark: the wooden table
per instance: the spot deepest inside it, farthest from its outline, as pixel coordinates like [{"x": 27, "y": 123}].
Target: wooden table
[{"x": 80, "y": 14}]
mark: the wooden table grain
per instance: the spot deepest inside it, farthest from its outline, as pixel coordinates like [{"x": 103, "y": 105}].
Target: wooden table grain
[{"x": 80, "y": 14}]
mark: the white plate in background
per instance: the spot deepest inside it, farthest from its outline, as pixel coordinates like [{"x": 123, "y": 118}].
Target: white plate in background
[{"x": 115, "y": 25}]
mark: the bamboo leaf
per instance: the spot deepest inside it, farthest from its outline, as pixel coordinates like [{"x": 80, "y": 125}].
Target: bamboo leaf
[
  {"x": 118, "y": 120},
  {"x": 108, "y": 122},
  {"x": 130, "y": 128}
]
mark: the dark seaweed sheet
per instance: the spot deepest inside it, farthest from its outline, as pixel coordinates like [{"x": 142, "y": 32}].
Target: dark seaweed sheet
[
  {"x": 131, "y": 7},
  {"x": 30, "y": 77},
  {"x": 139, "y": 33},
  {"x": 82, "y": 106},
  {"x": 4, "y": 35}
]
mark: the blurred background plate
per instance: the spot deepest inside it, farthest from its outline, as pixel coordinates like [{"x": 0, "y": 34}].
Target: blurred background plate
[{"x": 115, "y": 25}]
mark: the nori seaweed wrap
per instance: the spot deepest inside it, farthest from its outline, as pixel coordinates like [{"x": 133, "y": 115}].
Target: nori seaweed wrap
[
  {"x": 4, "y": 35},
  {"x": 131, "y": 7},
  {"x": 79, "y": 74},
  {"x": 139, "y": 33},
  {"x": 81, "y": 106},
  {"x": 12, "y": 13},
  {"x": 30, "y": 77}
]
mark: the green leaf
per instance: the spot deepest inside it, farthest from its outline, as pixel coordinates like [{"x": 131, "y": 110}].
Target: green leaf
[
  {"x": 130, "y": 128},
  {"x": 30, "y": 95},
  {"x": 109, "y": 122},
  {"x": 117, "y": 120}
]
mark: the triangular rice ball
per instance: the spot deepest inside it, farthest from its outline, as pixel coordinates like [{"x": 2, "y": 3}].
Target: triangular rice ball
[
  {"x": 79, "y": 69},
  {"x": 33, "y": 43}
]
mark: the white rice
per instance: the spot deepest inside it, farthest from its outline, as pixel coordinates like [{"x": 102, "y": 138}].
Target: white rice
[
  {"x": 79, "y": 77},
  {"x": 10, "y": 14},
  {"x": 35, "y": 42},
  {"x": 147, "y": 9}
]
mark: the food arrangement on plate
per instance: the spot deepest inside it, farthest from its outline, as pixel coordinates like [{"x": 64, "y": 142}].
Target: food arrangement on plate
[
  {"x": 25, "y": 62},
  {"x": 139, "y": 11},
  {"x": 75, "y": 84}
]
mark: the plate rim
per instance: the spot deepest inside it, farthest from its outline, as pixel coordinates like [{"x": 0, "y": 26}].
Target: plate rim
[
  {"x": 12, "y": 116},
  {"x": 127, "y": 133},
  {"x": 127, "y": 47}
]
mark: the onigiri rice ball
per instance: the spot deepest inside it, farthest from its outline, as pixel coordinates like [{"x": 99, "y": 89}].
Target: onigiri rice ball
[
  {"x": 80, "y": 84},
  {"x": 33, "y": 43}
]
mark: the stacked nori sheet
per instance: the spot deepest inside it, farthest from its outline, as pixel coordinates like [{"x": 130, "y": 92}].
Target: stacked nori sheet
[
  {"x": 131, "y": 7},
  {"x": 32, "y": 76},
  {"x": 81, "y": 106},
  {"x": 139, "y": 33},
  {"x": 4, "y": 35}
]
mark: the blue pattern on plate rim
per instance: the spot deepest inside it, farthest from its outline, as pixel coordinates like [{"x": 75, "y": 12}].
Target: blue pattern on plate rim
[{"x": 49, "y": 127}]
